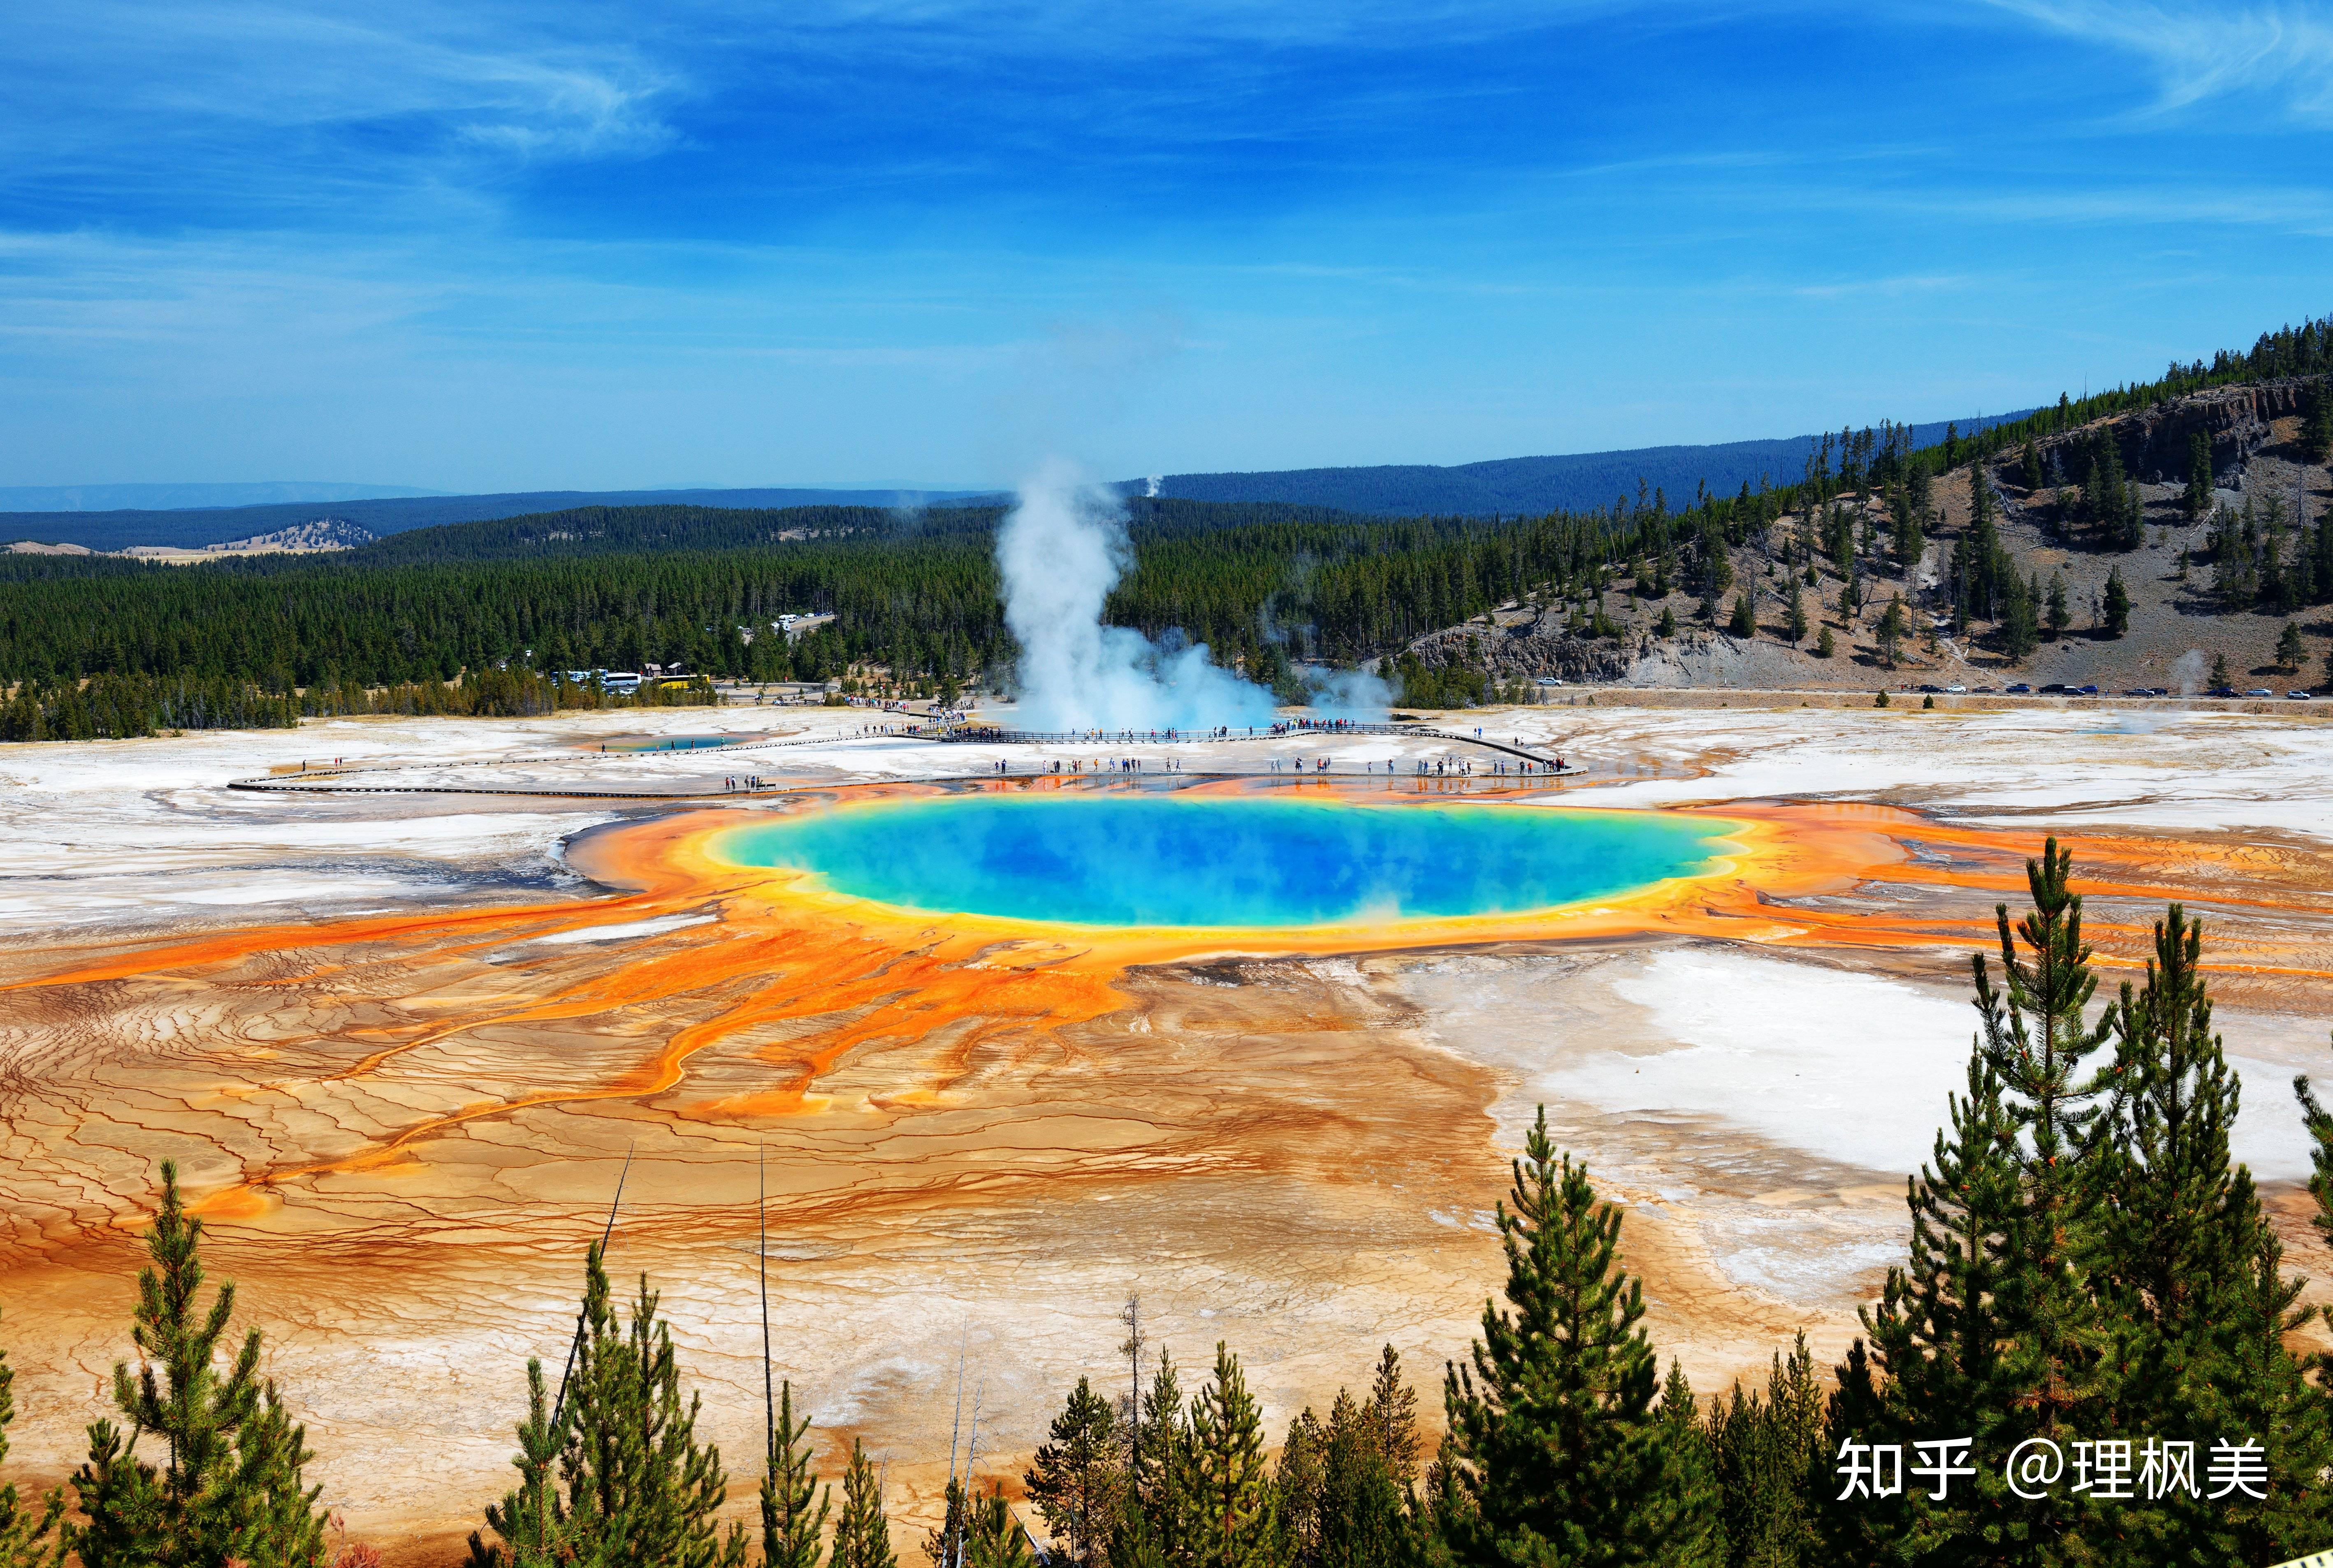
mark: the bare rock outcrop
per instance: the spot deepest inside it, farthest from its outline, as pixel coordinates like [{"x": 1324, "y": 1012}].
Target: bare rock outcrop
[
  {"x": 2154, "y": 440},
  {"x": 1527, "y": 650}
]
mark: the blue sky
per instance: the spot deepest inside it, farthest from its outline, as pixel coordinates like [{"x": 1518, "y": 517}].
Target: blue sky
[{"x": 484, "y": 247}]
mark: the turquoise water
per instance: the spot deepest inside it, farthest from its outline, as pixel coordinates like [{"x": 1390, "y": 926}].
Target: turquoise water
[{"x": 1164, "y": 860}]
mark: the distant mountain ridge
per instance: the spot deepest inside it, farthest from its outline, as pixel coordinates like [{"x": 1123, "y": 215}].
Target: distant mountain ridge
[
  {"x": 1501, "y": 486},
  {"x": 190, "y": 497},
  {"x": 192, "y": 528},
  {"x": 1509, "y": 485}
]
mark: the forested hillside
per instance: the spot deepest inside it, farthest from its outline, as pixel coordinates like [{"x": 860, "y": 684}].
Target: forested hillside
[
  {"x": 2168, "y": 537},
  {"x": 1851, "y": 543}
]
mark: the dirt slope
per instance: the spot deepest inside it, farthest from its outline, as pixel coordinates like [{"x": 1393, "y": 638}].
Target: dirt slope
[{"x": 2254, "y": 432}]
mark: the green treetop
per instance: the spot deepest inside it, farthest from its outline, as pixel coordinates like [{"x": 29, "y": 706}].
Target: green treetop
[
  {"x": 862, "y": 1535},
  {"x": 1076, "y": 1479},
  {"x": 2196, "y": 500},
  {"x": 230, "y": 1487},
  {"x": 2117, "y": 619},
  {"x": 792, "y": 1519},
  {"x": 1226, "y": 1494},
  {"x": 1553, "y": 1453}
]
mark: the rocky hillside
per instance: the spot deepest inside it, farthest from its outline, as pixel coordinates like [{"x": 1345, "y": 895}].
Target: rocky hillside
[
  {"x": 309, "y": 538},
  {"x": 2221, "y": 584}
]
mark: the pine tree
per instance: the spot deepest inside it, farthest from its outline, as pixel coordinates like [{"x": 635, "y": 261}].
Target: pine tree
[
  {"x": 994, "y": 1538},
  {"x": 1392, "y": 1417},
  {"x": 2317, "y": 427},
  {"x": 1892, "y": 626},
  {"x": 2060, "y": 616},
  {"x": 2117, "y": 619},
  {"x": 231, "y": 1486},
  {"x": 1339, "y": 1489},
  {"x": 1935, "y": 1365},
  {"x": 1767, "y": 1453},
  {"x": 1825, "y": 643},
  {"x": 1743, "y": 621},
  {"x": 1794, "y": 617},
  {"x": 1360, "y": 1522},
  {"x": 2036, "y": 1041},
  {"x": 1298, "y": 1484},
  {"x": 1700, "y": 1497},
  {"x": 1981, "y": 524},
  {"x": 638, "y": 1486},
  {"x": 1919, "y": 502},
  {"x": 2197, "y": 499},
  {"x": 2290, "y": 651},
  {"x": 531, "y": 1520},
  {"x": 1667, "y": 625},
  {"x": 947, "y": 1543},
  {"x": 791, "y": 1525},
  {"x": 2031, "y": 467},
  {"x": 1151, "y": 1523},
  {"x": 2190, "y": 1274},
  {"x": 862, "y": 1533},
  {"x": 2107, "y": 493},
  {"x": 279, "y": 1526},
  {"x": 1075, "y": 1479},
  {"x": 2219, "y": 671},
  {"x": 25, "y": 1532},
  {"x": 1992, "y": 1331},
  {"x": 1224, "y": 1490},
  {"x": 2019, "y": 634},
  {"x": 1553, "y": 1454}
]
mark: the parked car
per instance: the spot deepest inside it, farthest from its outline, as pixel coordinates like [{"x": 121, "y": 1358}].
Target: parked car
[
  {"x": 2057, "y": 689},
  {"x": 2222, "y": 692},
  {"x": 2144, "y": 691},
  {"x": 1956, "y": 687},
  {"x": 2301, "y": 695},
  {"x": 1935, "y": 689},
  {"x": 2018, "y": 688},
  {"x": 2083, "y": 690},
  {"x": 2260, "y": 691}
]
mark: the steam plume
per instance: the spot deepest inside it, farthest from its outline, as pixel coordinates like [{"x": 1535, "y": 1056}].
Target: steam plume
[
  {"x": 2187, "y": 669},
  {"x": 1354, "y": 694},
  {"x": 1060, "y": 552}
]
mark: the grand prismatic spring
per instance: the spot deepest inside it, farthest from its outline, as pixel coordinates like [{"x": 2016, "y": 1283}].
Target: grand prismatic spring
[
  {"x": 1159, "y": 859},
  {"x": 1014, "y": 1045}
]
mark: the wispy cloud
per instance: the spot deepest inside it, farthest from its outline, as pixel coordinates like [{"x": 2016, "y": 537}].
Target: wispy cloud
[
  {"x": 2203, "y": 52},
  {"x": 225, "y": 115}
]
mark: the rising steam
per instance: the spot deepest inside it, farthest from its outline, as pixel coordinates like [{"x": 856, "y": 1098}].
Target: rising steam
[
  {"x": 1060, "y": 552},
  {"x": 2187, "y": 669}
]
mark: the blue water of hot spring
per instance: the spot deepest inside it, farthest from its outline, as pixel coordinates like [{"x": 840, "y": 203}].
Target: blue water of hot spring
[{"x": 1131, "y": 860}]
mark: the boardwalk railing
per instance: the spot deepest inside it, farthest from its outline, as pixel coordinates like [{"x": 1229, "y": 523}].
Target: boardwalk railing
[{"x": 991, "y": 735}]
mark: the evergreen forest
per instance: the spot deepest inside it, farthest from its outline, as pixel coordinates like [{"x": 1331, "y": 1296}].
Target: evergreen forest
[
  {"x": 2087, "y": 1355},
  {"x": 487, "y": 617}
]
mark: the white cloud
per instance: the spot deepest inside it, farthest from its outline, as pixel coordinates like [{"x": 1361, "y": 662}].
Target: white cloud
[
  {"x": 244, "y": 93},
  {"x": 2210, "y": 51}
]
